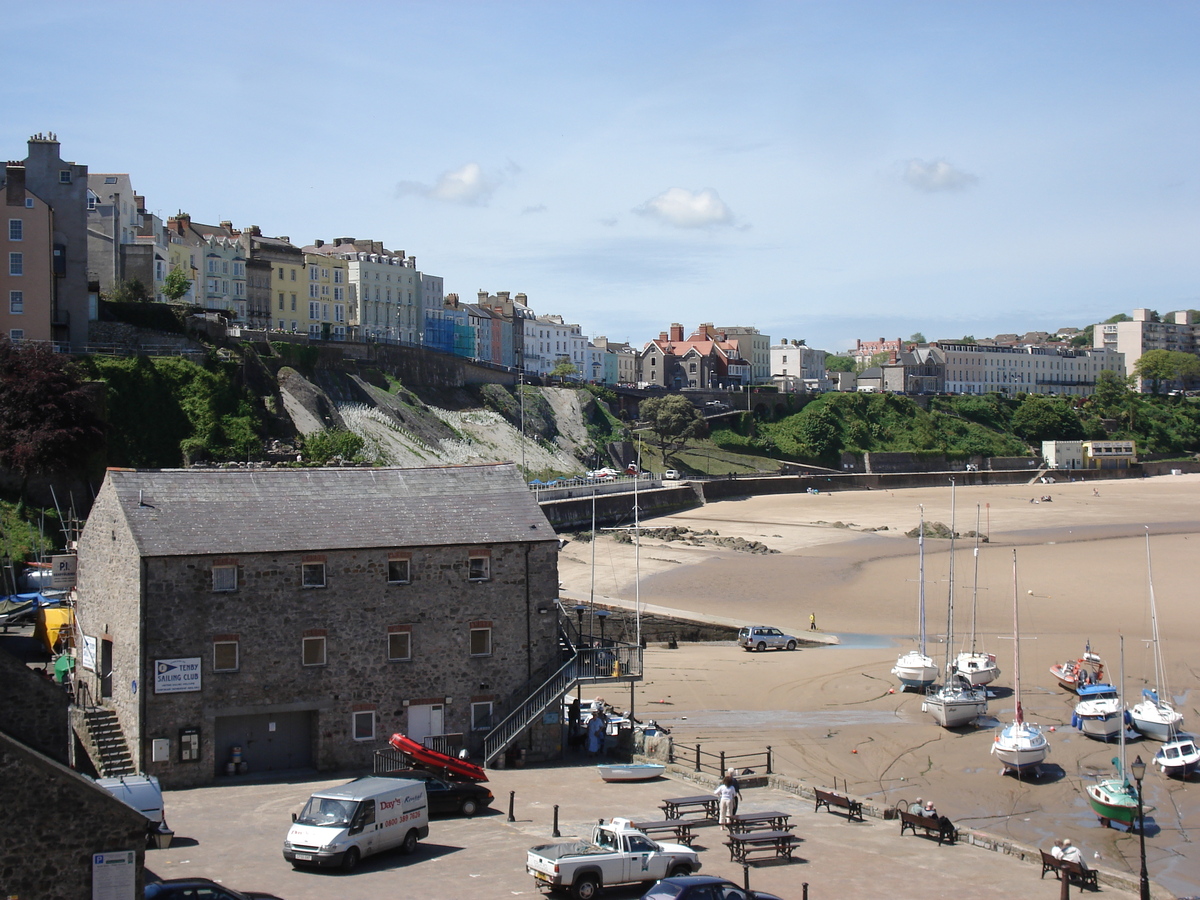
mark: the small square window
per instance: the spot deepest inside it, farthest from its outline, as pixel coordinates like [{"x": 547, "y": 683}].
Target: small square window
[
  {"x": 16, "y": 264},
  {"x": 64, "y": 176},
  {"x": 481, "y": 642},
  {"x": 225, "y": 656},
  {"x": 29, "y": 203},
  {"x": 479, "y": 569},
  {"x": 313, "y": 575},
  {"x": 224, "y": 578},
  {"x": 364, "y": 725},
  {"x": 399, "y": 571},
  {"x": 399, "y": 645},
  {"x": 314, "y": 651},
  {"x": 16, "y": 335}
]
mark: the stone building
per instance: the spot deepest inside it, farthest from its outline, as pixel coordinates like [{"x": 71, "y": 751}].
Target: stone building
[{"x": 306, "y": 615}]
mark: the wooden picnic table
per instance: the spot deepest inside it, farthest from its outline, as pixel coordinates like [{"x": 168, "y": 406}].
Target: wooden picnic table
[
  {"x": 706, "y": 803},
  {"x": 773, "y": 819},
  {"x": 681, "y": 828},
  {"x": 743, "y": 843}
]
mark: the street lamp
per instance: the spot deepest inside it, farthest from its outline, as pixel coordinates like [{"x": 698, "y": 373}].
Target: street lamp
[
  {"x": 1138, "y": 768},
  {"x": 601, "y": 614},
  {"x": 579, "y": 611}
]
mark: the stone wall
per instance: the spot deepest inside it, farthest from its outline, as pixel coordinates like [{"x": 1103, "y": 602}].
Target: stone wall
[
  {"x": 617, "y": 509},
  {"x": 270, "y": 614},
  {"x": 33, "y": 709},
  {"x": 135, "y": 340},
  {"x": 55, "y": 820}
]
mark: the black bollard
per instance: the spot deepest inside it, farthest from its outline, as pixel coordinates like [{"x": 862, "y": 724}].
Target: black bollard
[
  {"x": 804, "y": 891},
  {"x": 556, "y": 834},
  {"x": 746, "y": 877},
  {"x": 511, "y": 796}
]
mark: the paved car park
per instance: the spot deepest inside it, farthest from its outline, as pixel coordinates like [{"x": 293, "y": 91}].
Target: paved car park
[{"x": 234, "y": 833}]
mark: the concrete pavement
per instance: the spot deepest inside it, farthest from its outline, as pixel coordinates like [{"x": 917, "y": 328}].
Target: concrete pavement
[{"x": 234, "y": 833}]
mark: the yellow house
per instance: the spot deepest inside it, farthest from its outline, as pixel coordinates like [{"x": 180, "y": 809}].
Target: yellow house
[
  {"x": 289, "y": 290},
  {"x": 1109, "y": 454},
  {"x": 326, "y": 304}
]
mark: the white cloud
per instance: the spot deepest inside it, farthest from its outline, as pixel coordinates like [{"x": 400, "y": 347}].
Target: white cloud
[
  {"x": 467, "y": 185},
  {"x": 530, "y": 210},
  {"x": 937, "y": 175},
  {"x": 687, "y": 209}
]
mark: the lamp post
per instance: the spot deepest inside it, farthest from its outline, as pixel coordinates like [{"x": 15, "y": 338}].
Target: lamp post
[
  {"x": 601, "y": 614},
  {"x": 579, "y": 611},
  {"x": 1138, "y": 768}
]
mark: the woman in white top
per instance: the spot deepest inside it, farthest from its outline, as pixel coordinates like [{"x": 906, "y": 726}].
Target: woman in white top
[{"x": 727, "y": 793}]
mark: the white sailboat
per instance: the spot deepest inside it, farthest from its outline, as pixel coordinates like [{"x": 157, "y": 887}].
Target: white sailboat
[
  {"x": 955, "y": 702},
  {"x": 914, "y": 668},
  {"x": 975, "y": 665},
  {"x": 1154, "y": 717},
  {"x": 1021, "y": 745}
]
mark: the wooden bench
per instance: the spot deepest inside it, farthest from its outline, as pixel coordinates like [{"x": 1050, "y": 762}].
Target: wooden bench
[
  {"x": 773, "y": 819},
  {"x": 934, "y": 827},
  {"x": 742, "y": 844},
  {"x": 705, "y": 803},
  {"x": 1074, "y": 871},
  {"x": 681, "y": 828},
  {"x": 829, "y": 800}
]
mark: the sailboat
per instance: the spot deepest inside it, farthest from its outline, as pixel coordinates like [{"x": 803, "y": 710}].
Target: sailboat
[
  {"x": 914, "y": 668},
  {"x": 1115, "y": 799},
  {"x": 974, "y": 665},
  {"x": 956, "y": 701},
  {"x": 1154, "y": 717},
  {"x": 1021, "y": 745}
]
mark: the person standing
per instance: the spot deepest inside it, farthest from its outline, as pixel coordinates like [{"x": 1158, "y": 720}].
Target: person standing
[
  {"x": 812, "y": 621},
  {"x": 727, "y": 795},
  {"x": 595, "y": 733}
]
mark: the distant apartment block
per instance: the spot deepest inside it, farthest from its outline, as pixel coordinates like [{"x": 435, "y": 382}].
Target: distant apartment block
[
  {"x": 866, "y": 351},
  {"x": 797, "y": 368},
  {"x": 979, "y": 369},
  {"x": 44, "y": 268},
  {"x": 1134, "y": 338}
]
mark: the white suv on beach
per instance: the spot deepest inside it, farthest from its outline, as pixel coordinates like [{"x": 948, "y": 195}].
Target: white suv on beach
[{"x": 761, "y": 637}]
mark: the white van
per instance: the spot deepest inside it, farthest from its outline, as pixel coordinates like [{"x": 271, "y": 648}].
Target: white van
[{"x": 341, "y": 825}]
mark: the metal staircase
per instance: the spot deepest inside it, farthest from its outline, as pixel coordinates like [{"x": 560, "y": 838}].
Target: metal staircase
[
  {"x": 108, "y": 749},
  {"x": 611, "y": 663}
]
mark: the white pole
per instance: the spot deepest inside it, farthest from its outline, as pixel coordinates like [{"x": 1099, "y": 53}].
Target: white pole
[{"x": 637, "y": 549}]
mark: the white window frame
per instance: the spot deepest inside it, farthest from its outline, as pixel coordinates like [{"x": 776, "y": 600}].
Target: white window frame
[
  {"x": 392, "y": 577},
  {"x": 16, "y": 229},
  {"x": 407, "y": 635},
  {"x": 221, "y": 578},
  {"x": 479, "y": 568},
  {"x": 17, "y": 335},
  {"x": 482, "y": 723},
  {"x": 308, "y": 570},
  {"x": 471, "y": 646},
  {"x": 237, "y": 656},
  {"x": 64, "y": 176},
  {"x": 16, "y": 264},
  {"x": 16, "y": 303},
  {"x": 357, "y": 718},
  {"x": 315, "y": 641}
]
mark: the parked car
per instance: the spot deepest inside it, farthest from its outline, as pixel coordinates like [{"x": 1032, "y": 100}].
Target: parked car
[
  {"x": 763, "y": 637},
  {"x": 702, "y": 887},
  {"x": 198, "y": 889},
  {"x": 671, "y": 475},
  {"x": 448, "y": 797}
]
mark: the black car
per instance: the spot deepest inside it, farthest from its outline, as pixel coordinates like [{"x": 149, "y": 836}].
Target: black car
[
  {"x": 198, "y": 889},
  {"x": 702, "y": 887},
  {"x": 448, "y": 797}
]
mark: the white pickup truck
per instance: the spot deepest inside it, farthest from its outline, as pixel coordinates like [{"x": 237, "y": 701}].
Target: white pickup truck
[{"x": 616, "y": 854}]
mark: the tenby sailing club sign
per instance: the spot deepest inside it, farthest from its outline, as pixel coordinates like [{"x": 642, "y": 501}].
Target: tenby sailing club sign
[{"x": 174, "y": 676}]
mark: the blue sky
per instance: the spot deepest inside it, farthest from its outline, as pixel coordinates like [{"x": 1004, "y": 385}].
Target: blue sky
[{"x": 826, "y": 171}]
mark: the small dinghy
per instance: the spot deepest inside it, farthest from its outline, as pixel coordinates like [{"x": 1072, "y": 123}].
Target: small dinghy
[{"x": 631, "y": 771}]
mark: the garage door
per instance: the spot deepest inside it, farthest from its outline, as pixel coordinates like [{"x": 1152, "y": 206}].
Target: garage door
[{"x": 270, "y": 742}]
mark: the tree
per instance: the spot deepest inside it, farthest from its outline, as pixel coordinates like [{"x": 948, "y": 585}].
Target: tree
[
  {"x": 47, "y": 422},
  {"x": 917, "y": 338},
  {"x": 564, "y": 368},
  {"x": 674, "y": 421},
  {"x": 1157, "y": 366},
  {"x": 839, "y": 364},
  {"x": 176, "y": 284},
  {"x": 132, "y": 291},
  {"x": 1041, "y": 418},
  {"x": 1112, "y": 390}
]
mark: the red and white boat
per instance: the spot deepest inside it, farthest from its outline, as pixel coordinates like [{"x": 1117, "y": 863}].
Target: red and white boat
[
  {"x": 425, "y": 758},
  {"x": 1072, "y": 674}
]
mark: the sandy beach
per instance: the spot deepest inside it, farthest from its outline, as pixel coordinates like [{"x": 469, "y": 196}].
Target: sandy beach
[{"x": 828, "y": 712}]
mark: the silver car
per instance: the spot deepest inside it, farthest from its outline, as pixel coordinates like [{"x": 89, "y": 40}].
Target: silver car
[{"x": 761, "y": 637}]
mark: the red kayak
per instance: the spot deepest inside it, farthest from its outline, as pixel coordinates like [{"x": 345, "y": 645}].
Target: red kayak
[{"x": 440, "y": 762}]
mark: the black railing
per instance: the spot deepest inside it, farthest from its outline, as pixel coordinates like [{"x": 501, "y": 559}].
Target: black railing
[{"x": 721, "y": 762}]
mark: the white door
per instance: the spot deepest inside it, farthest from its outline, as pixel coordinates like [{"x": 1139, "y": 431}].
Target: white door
[{"x": 424, "y": 721}]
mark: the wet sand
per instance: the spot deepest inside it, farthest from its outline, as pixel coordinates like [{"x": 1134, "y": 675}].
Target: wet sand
[{"x": 828, "y": 713}]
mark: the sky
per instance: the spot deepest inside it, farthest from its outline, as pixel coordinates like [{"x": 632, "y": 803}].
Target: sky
[{"x": 825, "y": 171}]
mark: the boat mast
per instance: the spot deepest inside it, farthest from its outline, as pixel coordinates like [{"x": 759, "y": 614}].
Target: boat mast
[
  {"x": 1019, "y": 715},
  {"x": 950, "y": 598},
  {"x": 921, "y": 582},
  {"x": 975, "y": 585},
  {"x": 1160, "y": 673},
  {"x": 1121, "y": 694},
  {"x": 637, "y": 550}
]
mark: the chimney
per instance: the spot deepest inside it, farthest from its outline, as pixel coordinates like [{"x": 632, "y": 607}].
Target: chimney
[
  {"x": 377, "y": 246},
  {"x": 318, "y": 243},
  {"x": 412, "y": 262},
  {"x": 662, "y": 336},
  {"x": 503, "y": 295},
  {"x": 227, "y": 225},
  {"x": 520, "y": 298},
  {"x": 482, "y": 296},
  {"x": 285, "y": 238},
  {"x": 256, "y": 231},
  {"x": 337, "y": 242},
  {"x": 676, "y": 331},
  {"x": 14, "y": 174}
]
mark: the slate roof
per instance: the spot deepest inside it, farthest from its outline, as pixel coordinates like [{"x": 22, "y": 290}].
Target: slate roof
[{"x": 185, "y": 512}]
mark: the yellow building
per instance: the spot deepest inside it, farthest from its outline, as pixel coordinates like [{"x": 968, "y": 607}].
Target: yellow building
[
  {"x": 326, "y": 302},
  {"x": 289, "y": 291},
  {"x": 1109, "y": 454}
]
